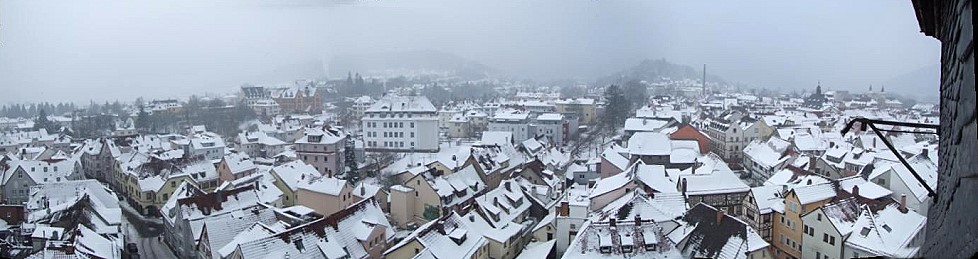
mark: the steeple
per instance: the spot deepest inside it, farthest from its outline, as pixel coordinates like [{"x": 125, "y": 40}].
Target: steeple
[
  {"x": 818, "y": 89},
  {"x": 882, "y": 89}
]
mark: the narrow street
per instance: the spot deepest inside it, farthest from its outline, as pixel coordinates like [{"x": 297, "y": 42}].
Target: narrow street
[{"x": 146, "y": 233}]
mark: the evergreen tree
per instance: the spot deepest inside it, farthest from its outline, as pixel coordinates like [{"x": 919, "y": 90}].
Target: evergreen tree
[
  {"x": 618, "y": 107},
  {"x": 142, "y": 119},
  {"x": 42, "y": 122},
  {"x": 636, "y": 92}
]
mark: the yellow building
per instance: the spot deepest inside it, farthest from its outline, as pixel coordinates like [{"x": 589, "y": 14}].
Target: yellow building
[
  {"x": 586, "y": 109},
  {"x": 788, "y": 225}
]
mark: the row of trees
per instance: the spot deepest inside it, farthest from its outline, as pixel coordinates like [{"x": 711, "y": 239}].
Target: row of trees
[
  {"x": 34, "y": 109},
  {"x": 355, "y": 85},
  {"x": 215, "y": 114}
]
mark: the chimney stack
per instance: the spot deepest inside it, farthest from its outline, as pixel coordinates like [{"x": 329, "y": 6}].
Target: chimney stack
[
  {"x": 612, "y": 222},
  {"x": 719, "y": 215},
  {"x": 811, "y": 163},
  {"x": 638, "y": 220},
  {"x": 508, "y": 188},
  {"x": 564, "y": 210},
  {"x": 683, "y": 188},
  {"x": 855, "y": 190},
  {"x": 903, "y": 203}
]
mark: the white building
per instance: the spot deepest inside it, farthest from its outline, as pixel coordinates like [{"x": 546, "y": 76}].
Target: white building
[
  {"x": 516, "y": 122},
  {"x": 208, "y": 145},
  {"x": 401, "y": 123},
  {"x": 551, "y": 126}
]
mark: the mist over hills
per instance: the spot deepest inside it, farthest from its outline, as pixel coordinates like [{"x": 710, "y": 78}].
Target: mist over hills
[
  {"x": 416, "y": 60},
  {"x": 922, "y": 84},
  {"x": 657, "y": 69}
]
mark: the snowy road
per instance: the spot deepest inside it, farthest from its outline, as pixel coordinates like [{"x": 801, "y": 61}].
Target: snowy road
[{"x": 146, "y": 234}]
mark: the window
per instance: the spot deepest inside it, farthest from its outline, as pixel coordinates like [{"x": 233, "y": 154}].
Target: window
[
  {"x": 832, "y": 240},
  {"x": 819, "y": 216},
  {"x": 818, "y": 254},
  {"x": 825, "y": 238}
]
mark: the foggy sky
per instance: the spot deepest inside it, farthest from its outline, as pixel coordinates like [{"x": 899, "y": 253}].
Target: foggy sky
[{"x": 107, "y": 50}]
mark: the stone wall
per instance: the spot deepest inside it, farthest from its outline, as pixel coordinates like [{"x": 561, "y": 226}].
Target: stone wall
[{"x": 952, "y": 225}]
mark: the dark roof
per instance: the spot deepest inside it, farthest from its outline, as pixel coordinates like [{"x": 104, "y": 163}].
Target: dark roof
[
  {"x": 712, "y": 235},
  {"x": 319, "y": 226},
  {"x": 213, "y": 201},
  {"x": 927, "y": 12}
]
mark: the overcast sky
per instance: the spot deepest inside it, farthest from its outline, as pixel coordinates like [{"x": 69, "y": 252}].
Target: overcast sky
[{"x": 107, "y": 50}]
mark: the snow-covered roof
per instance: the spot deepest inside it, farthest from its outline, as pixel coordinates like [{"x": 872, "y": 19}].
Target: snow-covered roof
[
  {"x": 49, "y": 201},
  {"x": 336, "y": 236},
  {"x": 644, "y": 124},
  {"x": 649, "y": 143},
  {"x": 323, "y": 135},
  {"x": 658, "y": 207},
  {"x": 766, "y": 154},
  {"x": 718, "y": 236},
  {"x": 550, "y": 117},
  {"x": 325, "y": 185},
  {"x": 537, "y": 250},
  {"x": 925, "y": 168},
  {"x": 887, "y": 232},
  {"x": 223, "y": 229},
  {"x": 594, "y": 236},
  {"x": 768, "y": 197},
  {"x": 293, "y": 172},
  {"x": 239, "y": 162},
  {"x": 609, "y": 184},
  {"x": 654, "y": 176},
  {"x": 436, "y": 237},
  {"x": 615, "y": 158},
  {"x": 394, "y": 103},
  {"x": 842, "y": 214},
  {"x": 813, "y": 193}
]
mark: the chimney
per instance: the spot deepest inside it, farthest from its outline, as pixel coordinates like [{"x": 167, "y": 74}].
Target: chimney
[
  {"x": 719, "y": 215},
  {"x": 612, "y": 222},
  {"x": 903, "y": 203},
  {"x": 855, "y": 190},
  {"x": 564, "y": 210},
  {"x": 811, "y": 163},
  {"x": 363, "y": 191},
  {"x": 638, "y": 220},
  {"x": 923, "y": 152},
  {"x": 683, "y": 188},
  {"x": 508, "y": 188}
]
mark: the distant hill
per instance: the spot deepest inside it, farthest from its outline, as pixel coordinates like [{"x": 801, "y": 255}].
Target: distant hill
[
  {"x": 655, "y": 69},
  {"x": 922, "y": 84},
  {"x": 408, "y": 60}
]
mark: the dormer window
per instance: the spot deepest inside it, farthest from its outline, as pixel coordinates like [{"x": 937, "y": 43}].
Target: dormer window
[{"x": 299, "y": 245}]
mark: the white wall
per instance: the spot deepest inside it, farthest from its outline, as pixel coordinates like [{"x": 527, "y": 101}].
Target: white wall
[{"x": 813, "y": 245}]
